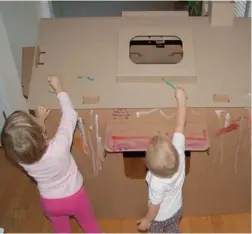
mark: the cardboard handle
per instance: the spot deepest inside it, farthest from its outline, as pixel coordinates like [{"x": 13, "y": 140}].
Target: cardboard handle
[
  {"x": 221, "y": 98},
  {"x": 37, "y": 57}
]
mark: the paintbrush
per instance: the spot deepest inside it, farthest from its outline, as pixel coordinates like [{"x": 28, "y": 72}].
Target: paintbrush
[{"x": 169, "y": 83}]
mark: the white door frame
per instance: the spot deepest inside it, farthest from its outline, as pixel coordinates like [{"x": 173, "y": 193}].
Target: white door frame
[
  {"x": 45, "y": 10},
  {"x": 11, "y": 88}
]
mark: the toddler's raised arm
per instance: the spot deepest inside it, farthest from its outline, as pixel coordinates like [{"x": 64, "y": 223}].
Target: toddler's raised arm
[
  {"x": 178, "y": 138},
  {"x": 181, "y": 110}
]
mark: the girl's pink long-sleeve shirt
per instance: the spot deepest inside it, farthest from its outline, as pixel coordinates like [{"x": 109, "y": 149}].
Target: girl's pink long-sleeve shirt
[{"x": 56, "y": 173}]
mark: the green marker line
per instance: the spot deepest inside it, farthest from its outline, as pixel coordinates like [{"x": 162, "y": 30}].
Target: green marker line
[{"x": 169, "y": 83}]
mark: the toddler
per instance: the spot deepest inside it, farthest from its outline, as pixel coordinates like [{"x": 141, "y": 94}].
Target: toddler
[
  {"x": 51, "y": 163},
  {"x": 166, "y": 163}
]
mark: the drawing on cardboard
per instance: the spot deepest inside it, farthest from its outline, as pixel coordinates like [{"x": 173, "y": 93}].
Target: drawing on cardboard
[
  {"x": 86, "y": 77},
  {"x": 165, "y": 115},
  {"x": 96, "y": 166},
  {"x": 83, "y": 136},
  {"x": 143, "y": 113},
  {"x": 230, "y": 126},
  {"x": 233, "y": 126},
  {"x": 248, "y": 116},
  {"x": 239, "y": 143},
  {"x": 91, "y": 112},
  {"x": 120, "y": 113},
  {"x": 99, "y": 146},
  {"x": 98, "y": 153},
  {"x": 219, "y": 114},
  {"x": 125, "y": 137}
]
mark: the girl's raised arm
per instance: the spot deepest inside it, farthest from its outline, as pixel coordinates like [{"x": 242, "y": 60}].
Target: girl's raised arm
[{"x": 64, "y": 134}]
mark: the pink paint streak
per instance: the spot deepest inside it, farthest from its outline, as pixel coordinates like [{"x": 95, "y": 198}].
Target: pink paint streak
[{"x": 140, "y": 143}]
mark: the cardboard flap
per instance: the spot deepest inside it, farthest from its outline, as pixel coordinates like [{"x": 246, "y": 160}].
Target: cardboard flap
[
  {"x": 27, "y": 60},
  {"x": 135, "y": 137}
]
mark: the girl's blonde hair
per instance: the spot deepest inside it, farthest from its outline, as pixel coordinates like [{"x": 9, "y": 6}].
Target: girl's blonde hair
[
  {"x": 22, "y": 138},
  {"x": 162, "y": 158}
]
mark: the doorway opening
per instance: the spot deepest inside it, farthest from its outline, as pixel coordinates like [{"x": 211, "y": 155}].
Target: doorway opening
[{"x": 134, "y": 165}]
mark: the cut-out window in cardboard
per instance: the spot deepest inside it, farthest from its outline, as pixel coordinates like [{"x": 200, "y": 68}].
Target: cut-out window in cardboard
[
  {"x": 141, "y": 63},
  {"x": 156, "y": 50}
]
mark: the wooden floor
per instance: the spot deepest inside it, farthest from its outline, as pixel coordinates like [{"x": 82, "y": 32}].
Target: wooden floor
[{"x": 20, "y": 210}]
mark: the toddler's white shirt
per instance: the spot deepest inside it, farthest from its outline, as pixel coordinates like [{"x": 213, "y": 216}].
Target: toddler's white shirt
[{"x": 168, "y": 191}]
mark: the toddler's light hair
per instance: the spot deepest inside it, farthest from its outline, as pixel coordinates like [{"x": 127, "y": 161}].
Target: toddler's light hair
[
  {"x": 162, "y": 158},
  {"x": 22, "y": 138}
]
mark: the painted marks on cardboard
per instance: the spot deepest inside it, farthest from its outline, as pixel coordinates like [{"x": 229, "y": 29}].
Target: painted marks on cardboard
[
  {"x": 230, "y": 125},
  {"x": 229, "y": 128},
  {"x": 88, "y": 78},
  {"x": 118, "y": 143},
  {"x": 120, "y": 114},
  {"x": 142, "y": 113}
]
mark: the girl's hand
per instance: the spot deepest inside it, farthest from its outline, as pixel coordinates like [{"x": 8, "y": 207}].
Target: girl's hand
[
  {"x": 41, "y": 113},
  {"x": 55, "y": 82}
]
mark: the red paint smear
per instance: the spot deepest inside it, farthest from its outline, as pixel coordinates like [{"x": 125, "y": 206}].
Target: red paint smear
[
  {"x": 196, "y": 138},
  {"x": 129, "y": 137},
  {"x": 143, "y": 146},
  {"x": 204, "y": 138},
  {"x": 229, "y": 128}
]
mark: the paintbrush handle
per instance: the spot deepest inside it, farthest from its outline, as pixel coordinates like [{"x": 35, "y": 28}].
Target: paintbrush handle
[{"x": 169, "y": 83}]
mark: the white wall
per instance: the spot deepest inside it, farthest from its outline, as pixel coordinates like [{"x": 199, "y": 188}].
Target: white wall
[
  {"x": 45, "y": 9},
  {"x": 21, "y": 21},
  {"x": 10, "y": 85}
]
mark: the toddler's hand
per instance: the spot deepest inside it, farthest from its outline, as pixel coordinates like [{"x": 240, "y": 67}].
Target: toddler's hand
[
  {"x": 55, "y": 82},
  {"x": 180, "y": 94},
  {"x": 41, "y": 113},
  {"x": 143, "y": 224}
]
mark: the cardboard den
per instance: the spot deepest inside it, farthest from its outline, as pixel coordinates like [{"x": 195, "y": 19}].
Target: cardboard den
[{"x": 116, "y": 85}]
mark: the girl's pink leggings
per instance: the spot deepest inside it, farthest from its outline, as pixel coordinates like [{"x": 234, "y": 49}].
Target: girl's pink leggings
[{"x": 58, "y": 212}]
